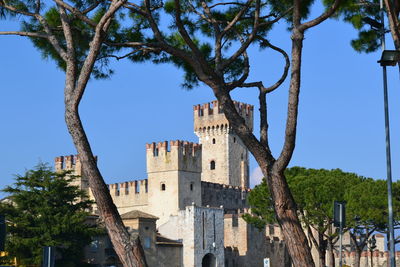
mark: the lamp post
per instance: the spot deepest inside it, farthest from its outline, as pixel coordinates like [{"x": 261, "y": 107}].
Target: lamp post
[{"x": 389, "y": 58}]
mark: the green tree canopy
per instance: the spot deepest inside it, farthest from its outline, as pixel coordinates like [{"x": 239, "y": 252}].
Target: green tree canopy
[
  {"x": 315, "y": 192},
  {"x": 44, "y": 209}
]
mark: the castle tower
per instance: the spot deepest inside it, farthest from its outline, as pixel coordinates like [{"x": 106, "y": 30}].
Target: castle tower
[
  {"x": 174, "y": 177},
  {"x": 72, "y": 163},
  {"x": 225, "y": 159}
]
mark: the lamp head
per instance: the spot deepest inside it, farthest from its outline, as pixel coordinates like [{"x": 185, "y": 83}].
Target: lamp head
[{"x": 389, "y": 58}]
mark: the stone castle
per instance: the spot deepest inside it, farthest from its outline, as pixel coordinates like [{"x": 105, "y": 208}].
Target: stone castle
[
  {"x": 188, "y": 212},
  {"x": 194, "y": 196}
]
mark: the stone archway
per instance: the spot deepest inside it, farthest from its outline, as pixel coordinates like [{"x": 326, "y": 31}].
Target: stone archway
[{"x": 209, "y": 260}]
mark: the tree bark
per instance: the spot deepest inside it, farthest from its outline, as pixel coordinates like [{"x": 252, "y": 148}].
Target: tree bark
[
  {"x": 321, "y": 250},
  {"x": 357, "y": 257},
  {"x": 331, "y": 255},
  {"x": 393, "y": 22},
  {"x": 286, "y": 215},
  {"x": 129, "y": 251}
]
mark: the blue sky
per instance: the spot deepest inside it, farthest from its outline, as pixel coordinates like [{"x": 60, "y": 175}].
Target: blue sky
[{"x": 340, "y": 124}]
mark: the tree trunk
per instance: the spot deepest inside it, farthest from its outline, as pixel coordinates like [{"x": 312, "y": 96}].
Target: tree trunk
[
  {"x": 321, "y": 250},
  {"x": 322, "y": 261},
  {"x": 331, "y": 257},
  {"x": 287, "y": 218},
  {"x": 357, "y": 257},
  {"x": 393, "y": 23},
  {"x": 129, "y": 250},
  {"x": 330, "y": 249}
]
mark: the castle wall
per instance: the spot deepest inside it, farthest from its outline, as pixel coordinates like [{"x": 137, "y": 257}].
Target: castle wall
[
  {"x": 202, "y": 232},
  {"x": 174, "y": 175},
  {"x": 171, "y": 256},
  {"x": 230, "y": 197},
  {"x": 245, "y": 244},
  {"x": 215, "y": 149},
  {"x": 73, "y": 164},
  {"x": 128, "y": 196},
  {"x": 211, "y": 114},
  {"x": 379, "y": 258},
  {"x": 238, "y": 162},
  {"x": 225, "y": 158}
]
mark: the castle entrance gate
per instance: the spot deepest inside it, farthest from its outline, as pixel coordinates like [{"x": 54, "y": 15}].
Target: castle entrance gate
[{"x": 209, "y": 260}]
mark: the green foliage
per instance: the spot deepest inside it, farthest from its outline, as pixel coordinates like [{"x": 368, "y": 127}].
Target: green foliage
[
  {"x": 43, "y": 209},
  {"x": 367, "y": 204},
  {"x": 129, "y": 26},
  {"x": 261, "y": 206},
  {"x": 314, "y": 192},
  {"x": 353, "y": 12}
]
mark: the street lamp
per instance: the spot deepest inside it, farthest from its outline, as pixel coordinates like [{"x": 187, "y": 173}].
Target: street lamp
[{"x": 388, "y": 58}]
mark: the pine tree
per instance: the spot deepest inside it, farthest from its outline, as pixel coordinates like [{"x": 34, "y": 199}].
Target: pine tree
[{"x": 44, "y": 209}]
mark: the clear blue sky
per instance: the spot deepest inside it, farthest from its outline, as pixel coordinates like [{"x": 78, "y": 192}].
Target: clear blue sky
[{"x": 340, "y": 124}]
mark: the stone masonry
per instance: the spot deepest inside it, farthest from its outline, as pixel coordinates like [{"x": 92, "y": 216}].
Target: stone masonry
[{"x": 198, "y": 192}]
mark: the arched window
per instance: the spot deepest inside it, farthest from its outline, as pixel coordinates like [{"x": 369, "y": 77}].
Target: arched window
[
  {"x": 212, "y": 165},
  {"x": 162, "y": 187},
  {"x": 213, "y": 141}
]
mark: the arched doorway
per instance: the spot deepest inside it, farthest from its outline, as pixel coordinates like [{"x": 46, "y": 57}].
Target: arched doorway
[{"x": 209, "y": 260}]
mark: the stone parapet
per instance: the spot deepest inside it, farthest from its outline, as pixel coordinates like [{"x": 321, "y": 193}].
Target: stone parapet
[
  {"x": 173, "y": 156},
  {"x": 210, "y": 116},
  {"x": 230, "y": 197}
]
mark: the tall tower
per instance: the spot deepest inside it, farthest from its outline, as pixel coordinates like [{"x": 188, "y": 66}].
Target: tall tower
[
  {"x": 174, "y": 178},
  {"x": 225, "y": 159}
]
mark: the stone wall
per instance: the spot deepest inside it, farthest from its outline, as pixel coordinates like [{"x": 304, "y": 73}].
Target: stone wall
[
  {"x": 132, "y": 195},
  {"x": 201, "y": 230},
  {"x": 245, "y": 245},
  {"x": 174, "y": 177},
  {"x": 230, "y": 197},
  {"x": 173, "y": 156},
  {"x": 171, "y": 256},
  {"x": 379, "y": 258},
  {"x": 225, "y": 158},
  {"x": 73, "y": 164}
]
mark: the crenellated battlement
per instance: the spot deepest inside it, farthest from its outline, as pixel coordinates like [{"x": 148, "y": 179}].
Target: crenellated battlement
[
  {"x": 224, "y": 187},
  {"x": 231, "y": 197},
  {"x": 70, "y": 163},
  {"x": 128, "y": 188},
  {"x": 173, "y": 156},
  {"x": 130, "y": 195},
  {"x": 210, "y": 116}
]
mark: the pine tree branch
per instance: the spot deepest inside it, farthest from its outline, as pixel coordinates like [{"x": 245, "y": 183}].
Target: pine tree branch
[
  {"x": 236, "y": 18},
  {"x": 76, "y": 12},
  {"x": 188, "y": 40},
  {"x": 28, "y": 34},
  {"x": 249, "y": 39},
  {"x": 328, "y": 13},
  {"x": 285, "y": 69},
  {"x": 15, "y": 10},
  {"x": 95, "y": 46}
]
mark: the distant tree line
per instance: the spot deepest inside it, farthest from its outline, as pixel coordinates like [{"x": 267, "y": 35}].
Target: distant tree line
[{"x": 315, "y": 192}]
